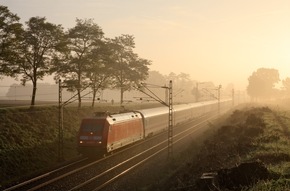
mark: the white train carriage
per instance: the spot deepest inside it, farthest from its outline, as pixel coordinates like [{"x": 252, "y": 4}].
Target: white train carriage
[
  {"x": 155, "y": 120},
  {"x": 226, "y": 104},
  {"x": 210, "y": 106},
  {"x": 185, "y": 112}
]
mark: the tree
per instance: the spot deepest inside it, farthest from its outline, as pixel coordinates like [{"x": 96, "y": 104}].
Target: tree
[
  {"x": 100, "y": 68},
  {"x": 77, "y": 60},
  {"x": 129, "y": 69},
  {"x": 172, "y": 76},
  {"x": 184, "y": 87},
  {"x": 286, "y": 85},
  {"x": 262, "y": 83},
  {"x": 37, "y": 46},
  {"x": 10, "y": 30},
  {"x": 154, "y": 77},
  {"x": 184, "y": 82}
]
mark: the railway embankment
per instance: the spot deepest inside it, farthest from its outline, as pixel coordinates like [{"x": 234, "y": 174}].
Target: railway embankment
[{"x": 29, "y": 140}]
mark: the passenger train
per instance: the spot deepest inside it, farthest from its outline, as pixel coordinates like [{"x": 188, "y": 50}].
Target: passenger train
[{"x": 104, "y": 132}]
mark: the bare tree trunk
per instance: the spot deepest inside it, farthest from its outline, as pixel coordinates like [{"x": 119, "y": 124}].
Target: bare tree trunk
[
  {"x": 79, "y": 90},
  {"x": 79, "y": 98},
  {"x": 122, "y": 95},
  {"x": 33, "y": 93},
  {"x": 94, "y": 90},
  {"x": 94, "y": 96}
]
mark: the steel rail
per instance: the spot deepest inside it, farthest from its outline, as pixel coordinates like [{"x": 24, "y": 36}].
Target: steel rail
[{"x": 17, "y": 186}]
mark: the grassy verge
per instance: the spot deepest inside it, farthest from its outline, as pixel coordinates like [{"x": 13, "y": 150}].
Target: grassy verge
[
  {"x": 29, "y": 140},
  {"x": 246, "y": 135}
]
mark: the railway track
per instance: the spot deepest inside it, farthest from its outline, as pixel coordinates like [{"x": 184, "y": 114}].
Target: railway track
[
  {"x": 99, "y": 174},
  {"x": 43, "y": 179},
  {"x": 107, "y": 177}
]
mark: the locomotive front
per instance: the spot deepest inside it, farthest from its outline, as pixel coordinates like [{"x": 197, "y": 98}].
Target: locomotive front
[{"x": 91, "y": 137}]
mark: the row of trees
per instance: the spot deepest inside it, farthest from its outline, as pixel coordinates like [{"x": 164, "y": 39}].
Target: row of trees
[
  {"x": 81, "y": 56},
  {"x": 263, "y": 84}
]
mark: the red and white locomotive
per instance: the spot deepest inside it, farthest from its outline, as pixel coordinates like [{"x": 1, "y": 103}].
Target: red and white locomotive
[{"x": 104, "y": 133}]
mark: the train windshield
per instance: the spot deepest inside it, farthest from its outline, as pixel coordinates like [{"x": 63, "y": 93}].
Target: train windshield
[{"x": 92, "y": 126}]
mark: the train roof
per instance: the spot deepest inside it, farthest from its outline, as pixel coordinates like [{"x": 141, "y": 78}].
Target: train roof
[
  {"x": 117, "y": 117},
  {"x": 154, "y": 111},
  {"x": 192, "y": 105},
  {"x": 120, "y": 117},
  {"x": 164, "y": 109}
]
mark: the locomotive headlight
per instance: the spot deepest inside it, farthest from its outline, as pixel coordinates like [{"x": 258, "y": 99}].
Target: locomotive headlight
[
  {"x": 100, "y": 142},
  {"x": 81, "y": 142}
]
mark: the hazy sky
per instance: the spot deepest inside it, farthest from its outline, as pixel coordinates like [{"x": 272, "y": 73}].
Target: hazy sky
[{"x": 223, "y": 41}]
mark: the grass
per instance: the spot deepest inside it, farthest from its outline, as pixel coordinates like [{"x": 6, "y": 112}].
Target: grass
[{"x": 273, "y": 149}]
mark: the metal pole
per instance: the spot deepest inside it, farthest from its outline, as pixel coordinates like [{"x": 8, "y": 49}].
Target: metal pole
[
  {"x": 60, "y": 123},
  {"x": 219, "y": 97},
  {"x": 170, "y": 123},
  {"x": 196, "y": 93},
  {"x": 233, "y": 97},
  {"x": 166, "y": 95}
]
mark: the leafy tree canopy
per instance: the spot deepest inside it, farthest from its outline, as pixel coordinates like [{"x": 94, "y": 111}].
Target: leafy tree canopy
[
  {"x": 32, "y": 50},
  {"x": 10, "y": 30},
  {"x": 286, "y": 84},
  {"x": 262, "y": 83},
  {"x": 129, "y": 68},
  {"x": 77, "y": 63}
]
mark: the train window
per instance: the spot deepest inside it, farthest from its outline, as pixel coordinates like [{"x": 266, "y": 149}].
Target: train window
[{"x": 92, "y": 127}]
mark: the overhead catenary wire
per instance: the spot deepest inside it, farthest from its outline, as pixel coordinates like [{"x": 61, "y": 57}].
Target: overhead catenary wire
[{"x": 155, "y": 97}]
